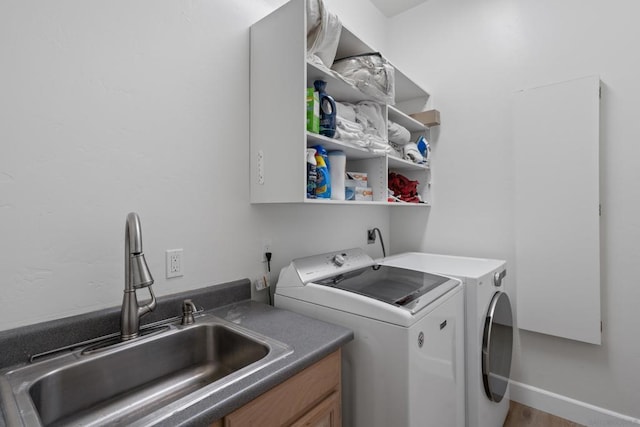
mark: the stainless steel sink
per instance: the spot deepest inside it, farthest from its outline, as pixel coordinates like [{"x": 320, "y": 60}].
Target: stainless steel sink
[{"x": 148, "y": 377}]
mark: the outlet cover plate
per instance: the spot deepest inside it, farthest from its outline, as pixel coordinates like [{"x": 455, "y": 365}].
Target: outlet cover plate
[{"x": 175, "y": 263}]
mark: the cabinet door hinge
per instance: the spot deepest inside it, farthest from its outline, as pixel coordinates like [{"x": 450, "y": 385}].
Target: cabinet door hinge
[{"x": 600, "y": 210}]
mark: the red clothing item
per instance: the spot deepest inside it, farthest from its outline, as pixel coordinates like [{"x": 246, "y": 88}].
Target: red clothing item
[{"x": 404, "y": 188}]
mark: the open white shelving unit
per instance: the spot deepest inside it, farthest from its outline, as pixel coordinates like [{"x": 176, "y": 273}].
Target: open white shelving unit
[{"x": 280, "y": 75}]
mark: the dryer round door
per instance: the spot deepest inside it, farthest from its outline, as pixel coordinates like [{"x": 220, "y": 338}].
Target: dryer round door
[{"x": 497, "y": 345}]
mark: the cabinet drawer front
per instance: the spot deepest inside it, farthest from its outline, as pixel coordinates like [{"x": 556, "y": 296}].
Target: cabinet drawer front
[
  {"x": 291, "y": 399},
  {"x": 325, "y": 414}
]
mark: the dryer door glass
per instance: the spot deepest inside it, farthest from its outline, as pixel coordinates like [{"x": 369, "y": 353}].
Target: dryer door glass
[{"x": 497, "y": 344}]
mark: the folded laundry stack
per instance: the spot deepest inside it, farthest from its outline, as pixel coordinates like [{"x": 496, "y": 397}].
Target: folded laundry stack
[
  {"x": 361, "y": 124},
  {"x": 370, "y": 73}
]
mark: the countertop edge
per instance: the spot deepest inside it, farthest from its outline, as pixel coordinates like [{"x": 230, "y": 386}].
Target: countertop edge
[{"x": 319, "y": 340}]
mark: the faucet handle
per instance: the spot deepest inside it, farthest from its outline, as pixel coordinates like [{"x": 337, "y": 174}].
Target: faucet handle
[
  {"x": 188, "y": 309},
  {"x": 150, "y": 306}
]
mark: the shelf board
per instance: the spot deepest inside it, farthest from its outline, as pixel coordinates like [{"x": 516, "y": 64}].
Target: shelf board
[
  {"x": 411, "y": 124},
  {"x": 362, "y": 203},
  {"x": 402, "y": 164},
  {"x": 415, "y": 205},
  {"x": 337, "y": 88},
  {"x": 351, "y": 150}
]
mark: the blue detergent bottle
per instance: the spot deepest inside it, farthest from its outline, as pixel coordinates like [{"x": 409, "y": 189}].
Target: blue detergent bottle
[
  {"x": 327, "y": 110},
  {"x": 323, "y": 183}
]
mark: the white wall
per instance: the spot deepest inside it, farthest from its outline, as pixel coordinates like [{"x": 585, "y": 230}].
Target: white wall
[
  {"x": 142, "y": 106},
  {"x": 474, "y": 55},
  {"x": 364, "y": 19},
  {"x": 119, "y": 106}
]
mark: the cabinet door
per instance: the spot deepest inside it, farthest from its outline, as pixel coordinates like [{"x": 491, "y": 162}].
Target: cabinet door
[
  {"x": 325, "y": 414},
  {"x": 557, "y": 210},
  {"x": 293, "y": 399}
]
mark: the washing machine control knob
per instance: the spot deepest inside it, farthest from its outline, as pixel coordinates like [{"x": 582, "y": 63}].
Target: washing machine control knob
[{"x": 338, "y": 260}]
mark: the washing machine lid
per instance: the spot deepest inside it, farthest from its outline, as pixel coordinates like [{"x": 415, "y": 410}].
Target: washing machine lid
[
  {"x": 400, "y": 287},
  {"x": 351, "y": 281},
  {"x": 497, "y": 345}
]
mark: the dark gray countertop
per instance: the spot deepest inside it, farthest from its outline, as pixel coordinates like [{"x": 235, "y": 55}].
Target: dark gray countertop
[{"x": 310, "y": 339}]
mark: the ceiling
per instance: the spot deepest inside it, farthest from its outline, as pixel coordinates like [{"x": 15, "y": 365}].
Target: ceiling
[{"x": 394, "y": 7}]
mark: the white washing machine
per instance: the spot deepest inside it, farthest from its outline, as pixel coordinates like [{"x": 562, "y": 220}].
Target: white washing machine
[
  {"x": 489, "y": 329},
  {"x": 405, "y": 366}
]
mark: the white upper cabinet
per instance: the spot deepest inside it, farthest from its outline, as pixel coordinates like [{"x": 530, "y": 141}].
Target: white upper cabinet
[{"x": 280, "y": 75}]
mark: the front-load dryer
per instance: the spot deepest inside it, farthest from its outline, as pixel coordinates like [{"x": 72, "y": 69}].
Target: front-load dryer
[{"x": 488, "y": 329}]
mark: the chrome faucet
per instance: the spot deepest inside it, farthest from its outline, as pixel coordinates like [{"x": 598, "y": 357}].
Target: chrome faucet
[{"x": 136, "y": 276}]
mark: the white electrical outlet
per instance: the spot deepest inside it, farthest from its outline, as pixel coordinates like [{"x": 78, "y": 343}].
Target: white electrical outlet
[
  {"x": 266, "y": 246},
  {"x": 261, "y": 283},
  {"x": 175, "y": 265}
]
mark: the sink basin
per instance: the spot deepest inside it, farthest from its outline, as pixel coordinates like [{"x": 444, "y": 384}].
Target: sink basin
[{"x": 148, "y": 377}]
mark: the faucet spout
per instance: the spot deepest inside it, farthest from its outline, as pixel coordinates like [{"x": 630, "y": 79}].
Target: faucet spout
[{"x": 136, "y": 276}]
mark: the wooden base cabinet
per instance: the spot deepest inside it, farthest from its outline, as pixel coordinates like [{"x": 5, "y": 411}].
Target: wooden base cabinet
[{"x": 311, "y": 398}]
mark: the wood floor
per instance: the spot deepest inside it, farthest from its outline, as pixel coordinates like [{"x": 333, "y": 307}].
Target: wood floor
[{"x": 524, "y": 416}]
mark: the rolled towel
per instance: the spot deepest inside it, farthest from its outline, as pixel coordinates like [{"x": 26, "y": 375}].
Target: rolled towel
[
  {"x": 412, "y": 153},
  {"x": 398, "y": 134}
]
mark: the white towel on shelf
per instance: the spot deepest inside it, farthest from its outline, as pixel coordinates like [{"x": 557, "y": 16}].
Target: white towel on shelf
[
  {"x": 346, "y": 130},
  {"x": 378, "y": 145},
  {"x": 396, "y": 150},
  {"x": 354, "y": 137},
  {"x": 357, "y": 133},
  {"x": 346, "y": 110},
  {"x": 369, "y": 115}
]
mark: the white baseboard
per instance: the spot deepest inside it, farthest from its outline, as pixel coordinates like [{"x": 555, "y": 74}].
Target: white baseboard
[{"x": 570, "y": 409}]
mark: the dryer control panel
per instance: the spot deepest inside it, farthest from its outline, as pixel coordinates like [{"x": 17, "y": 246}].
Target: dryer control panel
[{"x": 318, "y": 267}]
